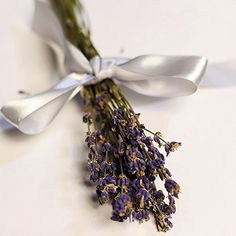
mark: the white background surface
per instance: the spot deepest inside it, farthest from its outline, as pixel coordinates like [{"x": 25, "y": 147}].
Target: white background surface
[{"x": 42, "y": 191}]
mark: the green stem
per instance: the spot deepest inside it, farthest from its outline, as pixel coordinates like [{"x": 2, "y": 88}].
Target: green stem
[
  {"x": 157, "y": 135},
  {"x": 67, "y": 14}
]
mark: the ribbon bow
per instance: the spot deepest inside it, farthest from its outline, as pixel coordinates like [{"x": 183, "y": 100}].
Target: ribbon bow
[{"x": 151, "y": 75}]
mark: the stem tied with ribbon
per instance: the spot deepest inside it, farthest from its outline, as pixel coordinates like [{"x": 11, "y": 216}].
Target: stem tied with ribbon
[{"x": 122, "y": 160}]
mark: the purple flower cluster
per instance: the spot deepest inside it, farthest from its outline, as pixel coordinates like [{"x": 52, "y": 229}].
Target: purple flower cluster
[{"x": 125, "y": 163}]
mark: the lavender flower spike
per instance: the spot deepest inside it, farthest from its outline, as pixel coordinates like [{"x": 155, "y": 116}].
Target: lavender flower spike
[{"x": 124, "y": 161}]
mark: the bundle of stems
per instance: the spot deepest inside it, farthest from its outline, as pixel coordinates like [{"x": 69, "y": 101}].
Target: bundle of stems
[{"x": 122, "y": 159}]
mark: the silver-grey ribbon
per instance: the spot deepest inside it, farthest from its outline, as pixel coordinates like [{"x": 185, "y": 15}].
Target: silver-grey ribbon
[{"x": 151, "y": 75}]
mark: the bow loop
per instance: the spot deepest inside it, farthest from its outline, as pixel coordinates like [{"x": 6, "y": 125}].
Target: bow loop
[
  {"x": 162, "y": 76},
  {"x": 33, "y": 114}
]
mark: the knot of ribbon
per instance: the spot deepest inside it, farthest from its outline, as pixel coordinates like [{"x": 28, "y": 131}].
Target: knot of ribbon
[{"x": 150, "y": 75}]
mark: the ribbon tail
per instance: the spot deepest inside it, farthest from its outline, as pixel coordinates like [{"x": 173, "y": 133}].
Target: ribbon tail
[
  {"x": 33, "y": 114},
  {"x": 161, "y": 76},
  {"x": 47, "y": 25}
]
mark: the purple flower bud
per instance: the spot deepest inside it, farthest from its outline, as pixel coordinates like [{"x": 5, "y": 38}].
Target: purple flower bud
[
  {"x": 123, "y": 181},
  {"x": 143, "y": 193},
  {"x": 168, "y": 222},
  {"x": 171, "y": 147},
  {"x": 156, "y": 138},
  {"x": 94, "y": 176},
  {"x": 141, "y": 215},
  {"x": 99, "y": 103},
  {"x": 106, "y": 147},
  {"x": 91, "y": 167},
  {"x": 167, "y": 149},
  {"x": 90, "y": 139},
  {"x": 122, "y": 207},
  {"x": 103, "y": 197},
  {"x": 87, "y": 117},
  {"x": 159, "y": 195},
  {"x": 172, "y": 187}
]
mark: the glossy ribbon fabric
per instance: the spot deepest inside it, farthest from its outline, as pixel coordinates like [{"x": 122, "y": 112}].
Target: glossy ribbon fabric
[{"x": 150, "y": 75}]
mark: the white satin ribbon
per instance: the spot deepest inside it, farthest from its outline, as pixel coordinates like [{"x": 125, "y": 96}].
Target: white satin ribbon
[{"x": 151, "y": 75}]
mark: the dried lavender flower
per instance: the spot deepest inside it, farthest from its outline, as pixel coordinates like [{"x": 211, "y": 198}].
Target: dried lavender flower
[{"x": 124, "y": 161}]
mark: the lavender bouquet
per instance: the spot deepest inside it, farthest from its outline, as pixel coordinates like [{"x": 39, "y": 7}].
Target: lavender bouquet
[{"x": 125, "y": 158}]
